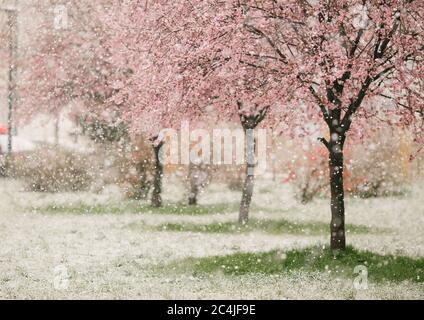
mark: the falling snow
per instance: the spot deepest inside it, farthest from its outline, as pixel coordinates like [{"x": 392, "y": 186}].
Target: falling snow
[{"x": 211, "y": 149}]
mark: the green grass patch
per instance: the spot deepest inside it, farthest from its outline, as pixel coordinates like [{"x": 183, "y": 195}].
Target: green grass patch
[
  {"x": 134, "y": 207},
  {"x": 269, "y": 226},
  {"x": 316, "y": 259},
  {"x": 140, "y": 207}
]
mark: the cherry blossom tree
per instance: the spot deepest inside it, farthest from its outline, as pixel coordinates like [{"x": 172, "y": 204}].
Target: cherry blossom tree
[
  {"x": 335, "y": 60},
  {"x": 204, "y": 50},
  {"x": 90, "y": 59},
  {"x": 284, "y": 61},
  {"x": 348, "y": 60},
  {"x": 146, "y": 94}
]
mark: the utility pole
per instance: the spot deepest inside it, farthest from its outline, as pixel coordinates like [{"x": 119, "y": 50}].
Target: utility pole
[
  {"x": 12, "y": 25},
  {"x": 13, "y": 48}
]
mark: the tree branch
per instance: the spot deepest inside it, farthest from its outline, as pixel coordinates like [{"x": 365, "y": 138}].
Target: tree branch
[
  {"x": 325, "y": 142},
  {"x": 269, "y": 40},
  {"x": 325, "y": 112}
]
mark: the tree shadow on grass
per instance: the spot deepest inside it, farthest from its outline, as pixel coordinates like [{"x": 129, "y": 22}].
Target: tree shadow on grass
[
  {"x": 280, "y": 226},
  {"x": 133, "y": 207},
  {"x": 381, "y": 268}
]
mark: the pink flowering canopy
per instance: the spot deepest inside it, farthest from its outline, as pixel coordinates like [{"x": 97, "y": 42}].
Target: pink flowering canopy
[
  {"x": 301, "y": 59},
  {"x": 181, "y": 67},
  {"x": 67, "y": 63},
  {"x": 146, "y": 93},
  {"x": 347, "y": 57},
  {"x": 158, "y": 61}
]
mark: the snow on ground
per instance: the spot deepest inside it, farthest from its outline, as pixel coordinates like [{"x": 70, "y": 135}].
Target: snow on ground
[{"x": 106, "y": 258}]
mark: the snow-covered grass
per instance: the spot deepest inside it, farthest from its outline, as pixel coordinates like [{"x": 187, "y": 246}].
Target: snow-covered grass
[{"x": 101, "y": 254}]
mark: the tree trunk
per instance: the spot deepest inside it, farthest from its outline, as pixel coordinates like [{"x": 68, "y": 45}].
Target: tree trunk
[
  {"x": 249, "y": 181},
  {"x": 249, "y": 123},
  {"x": 246, "y": 198},
  {"x": 337, "y": 228},
  {"x": 194, "y": 184},
  {"x": 56, "y": 131},
  {"x": 157, "y": 180},
  {"x": 192, "y": 198}
]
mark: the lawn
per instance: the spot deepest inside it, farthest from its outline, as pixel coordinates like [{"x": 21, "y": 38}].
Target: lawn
[{"x": 109, "y": 247}]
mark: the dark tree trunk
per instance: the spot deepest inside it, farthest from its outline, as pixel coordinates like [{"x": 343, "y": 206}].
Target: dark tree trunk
[
  {"x": 338, "y": 129},
  {"x": 337, "y": 228},
  {"x": 194, "y": 185},
  {"x": 192, "y": 199},
  {"x": 157, "y": 180}
]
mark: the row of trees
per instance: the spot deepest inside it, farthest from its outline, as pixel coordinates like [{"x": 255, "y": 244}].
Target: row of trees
[{"x": 282, "y": 64}]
